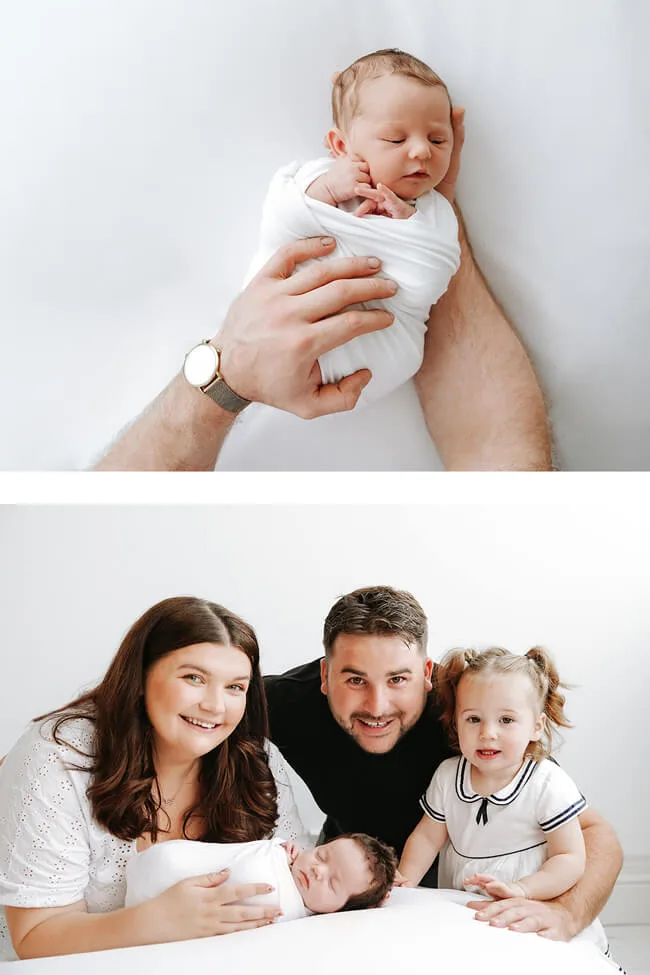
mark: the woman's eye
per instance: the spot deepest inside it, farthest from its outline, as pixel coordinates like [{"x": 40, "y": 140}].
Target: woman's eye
[
  {"x": 192, "y": 678},
  {"x": 238, "y": 687},
  {"x": 473, "y": 719}
]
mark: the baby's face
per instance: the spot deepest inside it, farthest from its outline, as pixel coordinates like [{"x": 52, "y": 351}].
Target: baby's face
[
  {"x": 403, "y": 131},
  {"x": 329, "y": 875}
]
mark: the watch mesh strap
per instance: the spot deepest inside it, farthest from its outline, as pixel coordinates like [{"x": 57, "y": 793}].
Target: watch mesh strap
[{"x": 224, "y": 396}]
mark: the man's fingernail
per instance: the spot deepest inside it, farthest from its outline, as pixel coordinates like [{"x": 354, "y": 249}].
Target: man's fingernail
[
  {"x": 327, "y": 241},
  {"x": 373, "y": 262},
  {"x": 392, "y": 286}
]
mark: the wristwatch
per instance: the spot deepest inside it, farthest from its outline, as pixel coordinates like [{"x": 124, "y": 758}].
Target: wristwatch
[{"x": 202, "y": 369}]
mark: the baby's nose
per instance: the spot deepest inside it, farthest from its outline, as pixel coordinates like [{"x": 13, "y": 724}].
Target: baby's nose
[{"x": 420, "y": 149}]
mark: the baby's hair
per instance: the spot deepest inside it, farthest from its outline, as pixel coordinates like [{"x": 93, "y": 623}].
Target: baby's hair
[
  {"x": 346, "y": 84},
  {"x": 382, "y": 861},
  {"x": 537, "y": 665}
]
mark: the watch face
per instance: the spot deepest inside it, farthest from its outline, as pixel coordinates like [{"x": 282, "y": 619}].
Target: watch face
[{"x": 201, "y": 364}]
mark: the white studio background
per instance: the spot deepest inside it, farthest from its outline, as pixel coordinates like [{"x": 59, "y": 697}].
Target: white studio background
[
  {"x": 139, "y": 137},
  {"x": 574, "y": 579}
]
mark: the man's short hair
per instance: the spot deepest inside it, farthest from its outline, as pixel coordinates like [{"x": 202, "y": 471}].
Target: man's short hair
[
  {"x": 382, "y": 861},
  {"x": 346, "y": 84},
  {"x": 377, "y": 611}
]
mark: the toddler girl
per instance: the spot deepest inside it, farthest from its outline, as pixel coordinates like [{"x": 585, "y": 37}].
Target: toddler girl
[{"x": 503, "y": 815}]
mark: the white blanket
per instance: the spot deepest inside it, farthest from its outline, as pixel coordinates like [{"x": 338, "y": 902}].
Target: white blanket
[
  {"x": 421, "y": 254},
  {"x": 419, "y": 930},
  {"x": 257, "y": 862}
]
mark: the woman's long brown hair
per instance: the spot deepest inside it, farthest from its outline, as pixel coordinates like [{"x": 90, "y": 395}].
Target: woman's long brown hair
[{"x": 238, "y": 799}]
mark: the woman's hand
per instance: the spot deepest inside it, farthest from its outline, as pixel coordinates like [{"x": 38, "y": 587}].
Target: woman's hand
[{"x": 203, "y": 906}]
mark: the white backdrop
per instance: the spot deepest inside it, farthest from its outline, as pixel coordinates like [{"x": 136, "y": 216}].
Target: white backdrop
[
  {"x": 571, "y": 578},
  {"x": 138, "y": 140}
]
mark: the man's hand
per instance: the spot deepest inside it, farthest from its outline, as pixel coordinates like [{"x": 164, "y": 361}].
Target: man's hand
[
  {"x": 382, "y": 201},
  {"x": 448, "y": 184},
  {"x": 494, "y": 887},
  {"x": 547, "y": 918},
  {"x": 278, "y": 327},
  {"x": 340, "y": 182}
]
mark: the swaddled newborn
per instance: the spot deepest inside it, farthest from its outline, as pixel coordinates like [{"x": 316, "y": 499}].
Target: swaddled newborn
[
  {"x": 350, "y": 872},
  {"x": 390, "y": 147}
]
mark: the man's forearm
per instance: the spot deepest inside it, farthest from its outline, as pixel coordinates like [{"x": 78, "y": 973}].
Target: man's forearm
[
  {"x": 479, "y": 394},
  {"x": 587, "y": 898},
  {"x": 182, "y": 430}
]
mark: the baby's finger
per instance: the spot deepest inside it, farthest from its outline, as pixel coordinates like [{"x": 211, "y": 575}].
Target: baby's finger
[
  {"x": 368, "y": 206},
  {"x": 362, "y": 190},
  {"x": 387, "y": 193}
]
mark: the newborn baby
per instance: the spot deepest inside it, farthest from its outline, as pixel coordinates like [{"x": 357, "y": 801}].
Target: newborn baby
[
  {"x": 390, "y": 146},
  {"x": 350, "y": 872}
]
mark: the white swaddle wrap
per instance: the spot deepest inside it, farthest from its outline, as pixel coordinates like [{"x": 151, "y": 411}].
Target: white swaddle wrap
[
  {"x": 152, "y": 871},
  {"x": 421, "y": 254}
]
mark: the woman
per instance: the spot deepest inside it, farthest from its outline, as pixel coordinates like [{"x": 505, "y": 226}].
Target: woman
[{"x": 171, "y": 744}]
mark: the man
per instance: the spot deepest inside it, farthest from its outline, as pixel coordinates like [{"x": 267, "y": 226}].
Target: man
[
  {"x": 361, "y": 729},
  {"x": 479, "y": 395}
]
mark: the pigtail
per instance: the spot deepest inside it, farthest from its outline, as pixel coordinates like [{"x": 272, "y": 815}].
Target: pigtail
[
  {"x": 445, "y": 681},
  {"x": 555, "y": 700}
]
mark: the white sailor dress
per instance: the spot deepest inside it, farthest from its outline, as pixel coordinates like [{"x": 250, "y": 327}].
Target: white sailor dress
[{"x": 503, "y": 834}]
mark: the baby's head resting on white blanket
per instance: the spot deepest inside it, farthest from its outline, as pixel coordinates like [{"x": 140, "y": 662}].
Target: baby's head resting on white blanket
[
  {"x": 350, "y": 872},
  {"x": 393, "y": 112}
]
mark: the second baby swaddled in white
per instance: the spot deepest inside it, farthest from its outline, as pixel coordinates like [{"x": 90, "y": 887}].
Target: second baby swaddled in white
[
  {"x": 349, "y": 872},
  {"x": 391, "y": 146}
]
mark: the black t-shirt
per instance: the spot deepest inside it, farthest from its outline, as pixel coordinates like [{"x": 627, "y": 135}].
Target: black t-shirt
[{"x": 358, "y": 791}]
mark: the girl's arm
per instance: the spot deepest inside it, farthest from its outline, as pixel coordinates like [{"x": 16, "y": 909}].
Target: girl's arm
[
  {"x": 421, "y": 849},
  {"x": 564, "y": 866}
]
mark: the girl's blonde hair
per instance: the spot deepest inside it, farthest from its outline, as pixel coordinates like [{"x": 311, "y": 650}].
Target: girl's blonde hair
[{"x": 537, "y": 665}]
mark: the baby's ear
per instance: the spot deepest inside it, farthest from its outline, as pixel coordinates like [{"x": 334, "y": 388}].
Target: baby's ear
[{"x": 335, "y": 142}]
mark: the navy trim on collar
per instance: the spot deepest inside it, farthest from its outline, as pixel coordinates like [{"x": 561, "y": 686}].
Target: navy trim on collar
[{"x": 463, "y": 784}]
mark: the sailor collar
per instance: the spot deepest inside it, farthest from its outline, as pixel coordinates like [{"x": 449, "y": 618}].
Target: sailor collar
[{"x": 501, "y": 798}]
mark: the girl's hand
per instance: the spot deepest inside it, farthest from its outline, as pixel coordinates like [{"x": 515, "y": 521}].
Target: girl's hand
[
  {"x": 493, "y": 887},
  {"x": 383, "y": 202},
  {"x": 202, "y": 906},
  {"x": 402, "y": 881}
]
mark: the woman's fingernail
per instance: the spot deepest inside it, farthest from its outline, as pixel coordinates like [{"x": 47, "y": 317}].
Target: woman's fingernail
[
  {"x": 373, "y": 262},
  {"x": 326, "y": 241}
]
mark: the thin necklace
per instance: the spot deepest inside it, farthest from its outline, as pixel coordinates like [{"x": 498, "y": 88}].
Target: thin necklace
[{"x": 168, "y": 801}]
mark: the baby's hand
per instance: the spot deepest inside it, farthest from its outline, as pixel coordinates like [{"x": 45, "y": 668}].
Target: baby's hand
[
  {"x": 494, "y": 887},
  {"x": 291, "y": 850},
  {"x": 383, "y": 202},
  {"x": 344, "y": 176}
]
